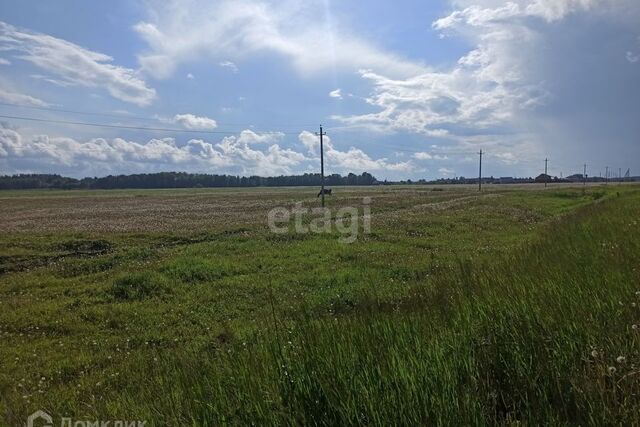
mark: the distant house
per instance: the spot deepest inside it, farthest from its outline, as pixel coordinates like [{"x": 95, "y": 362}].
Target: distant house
[
  {"x": 575, "y": 178},
  {"x": 543, "y": 178}
]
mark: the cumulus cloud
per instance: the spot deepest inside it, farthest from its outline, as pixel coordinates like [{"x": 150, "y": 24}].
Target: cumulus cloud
[
  {"x": 248, "y": 153},
  {"x": 250, "y": 137},
  {"x": 541, "y": 76},
  {"x": 233, "y": 154},
  {"x": 21, "y": 99},
  {"x": 336, "y": 94},
  {"x": 4, "y": 61},
  {"x": 485, "y": 13},
  {"x": 423, "y": 155},
  {"x": 238, "y": 29},
  {"x": 191, "y": 122},
  {"x": 352, "y": 160},
  {"x": 75, "y": 65}
]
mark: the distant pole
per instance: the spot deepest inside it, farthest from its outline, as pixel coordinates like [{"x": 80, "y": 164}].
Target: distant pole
[
  {"x": 584, "y": 175},
  {"x": 606, "y": 175},
  {"x": 546, "y": 176},
  {"x": 321, "y": 164},
  {"x": 480, "y": 174},
  {"x": 619, "y": 175}
]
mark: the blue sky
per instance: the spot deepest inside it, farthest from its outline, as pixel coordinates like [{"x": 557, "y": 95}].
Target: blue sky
[{"x": 405, "y": 89}]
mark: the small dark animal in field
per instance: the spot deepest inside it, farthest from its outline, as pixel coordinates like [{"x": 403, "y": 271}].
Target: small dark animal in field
[{"x": 327, "y": 191}]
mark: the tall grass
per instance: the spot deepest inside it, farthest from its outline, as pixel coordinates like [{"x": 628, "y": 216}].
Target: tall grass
[
  {"x": 547, "y": 335},
  {"x": 543, "y": 336}
]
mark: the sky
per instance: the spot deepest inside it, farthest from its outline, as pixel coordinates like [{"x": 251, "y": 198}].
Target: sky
[{"x": 405, "y": 90}]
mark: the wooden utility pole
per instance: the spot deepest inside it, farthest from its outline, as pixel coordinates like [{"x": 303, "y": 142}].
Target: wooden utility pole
[
  {"x": 619, "y": 175},
  {"x": 546, "y": 176},
  {"x": 321, "y": 134},
  {"x": 480, "y": 174},
  {"x": 584, "y": 175},
  {"x": 606, "y": 175}
]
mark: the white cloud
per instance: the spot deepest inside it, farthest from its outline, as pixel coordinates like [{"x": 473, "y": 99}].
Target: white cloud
[
  {"x": 21, "y": 99},
  {"x": 488, "y": 13},
  {"x": 336, "y": 94},
  {"x": 531, "y": 82},
  {"x": 239, "y": 29},
  {"x": 190, "y": 76},
  {"x": 506, "y": 158},
  {"x": 232, "y": 154},
  {"x": 423, "y": 155},
  {"x": 56, "y": 82},
  {"x": 4, "y": 61},
  {"x": 353, "y": 160},
  {"x": 75, "y": 65},
  {"x": 425, "y": 103},
  {"x": 250, "y": 137},
  {"x": 189, "y": 121},
  {"x": 446, "y": 171},
  {"x": 230, "y": 65},
  {"x": 236, "y": 154},
  {"x": 632, "y": 57}
]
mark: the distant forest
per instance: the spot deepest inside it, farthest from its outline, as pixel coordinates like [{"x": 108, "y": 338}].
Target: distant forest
[{"x": 176, "y": 180}]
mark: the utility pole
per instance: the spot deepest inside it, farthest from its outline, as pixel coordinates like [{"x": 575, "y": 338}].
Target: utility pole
[
  {"x": 584, "y": 176},
  {"x": 546, "y": 176},
  {"x": 480, "y": 174},
  {"x": 606, "y": 175},
  {"x": 321, "y": 134},
  {"x": 619, "y": 176}
]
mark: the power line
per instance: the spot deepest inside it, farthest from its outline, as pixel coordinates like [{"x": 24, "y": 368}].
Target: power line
[
  {"x": 87, "y": 113},
  {"x": 120, "y": 116},
  {"x": 100, "y": 125}
]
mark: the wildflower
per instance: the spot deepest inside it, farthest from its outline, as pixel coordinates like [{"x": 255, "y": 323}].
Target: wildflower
[
  {"x": 611, "y": 370},
  {"x": 621, "y": 359},
  {"x": 594, "y": 353},
  {"x": 634, "y": 327}
]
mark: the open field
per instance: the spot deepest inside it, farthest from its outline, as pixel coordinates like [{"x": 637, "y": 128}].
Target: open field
[{"x": 182, "y": 307}]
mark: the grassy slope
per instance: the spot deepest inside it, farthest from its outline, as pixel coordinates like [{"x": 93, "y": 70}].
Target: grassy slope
[
  {"x": 531, "y": 338},
  {"x": 491, "y": 340}
]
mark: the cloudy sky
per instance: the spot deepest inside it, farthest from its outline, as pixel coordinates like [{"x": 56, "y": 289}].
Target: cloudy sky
[{"x": 405, "y": 89}]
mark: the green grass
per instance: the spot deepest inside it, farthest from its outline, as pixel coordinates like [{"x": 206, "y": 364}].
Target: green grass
[{"x": 500, "y": 310}]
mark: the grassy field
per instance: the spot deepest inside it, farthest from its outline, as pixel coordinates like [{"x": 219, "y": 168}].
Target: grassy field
[{"x": 181, "y": 307}]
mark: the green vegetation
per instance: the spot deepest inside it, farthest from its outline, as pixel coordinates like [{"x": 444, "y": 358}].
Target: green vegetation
[{"x": 515, "y": 306}]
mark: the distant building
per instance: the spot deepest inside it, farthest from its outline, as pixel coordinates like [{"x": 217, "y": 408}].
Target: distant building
[
  {"x": 506, "y": 180},
  {"x": 575, "y": 178},
  {"x": 543, "y": 178}
]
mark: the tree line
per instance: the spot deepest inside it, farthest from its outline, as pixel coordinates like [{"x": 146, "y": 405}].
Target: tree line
[{"x": 176, "y": 180}]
